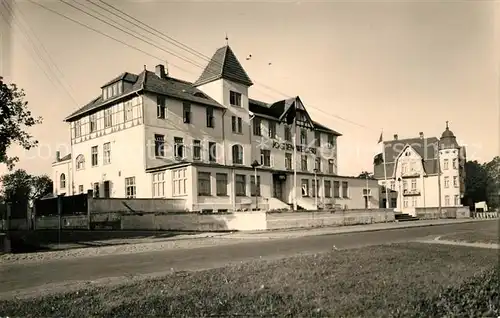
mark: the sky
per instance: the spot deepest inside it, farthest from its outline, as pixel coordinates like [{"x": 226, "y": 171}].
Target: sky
[{"x": 401, "y": 67}]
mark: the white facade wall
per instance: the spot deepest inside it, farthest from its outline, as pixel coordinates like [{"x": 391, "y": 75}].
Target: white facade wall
[
  {"x": 424, "y": 189},
  {"x": 63, "y": 168}
]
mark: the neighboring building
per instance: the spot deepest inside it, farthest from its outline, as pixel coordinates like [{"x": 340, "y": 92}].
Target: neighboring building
[
  {"x": 154, "y": 136},
  {"x": 412, "y": 167}
]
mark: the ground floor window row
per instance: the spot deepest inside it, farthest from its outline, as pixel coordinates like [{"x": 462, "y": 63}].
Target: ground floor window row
[
  {"x": 414, "y": 201},
  {"x": 311, "y": 189},
  {"x": 103, "y": 189}
]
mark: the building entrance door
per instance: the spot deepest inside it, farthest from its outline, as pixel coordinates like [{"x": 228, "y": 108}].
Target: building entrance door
[{"x": 278, "y": 186}]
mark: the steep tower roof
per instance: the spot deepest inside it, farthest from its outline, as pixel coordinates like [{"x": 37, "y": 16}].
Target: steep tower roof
[{"x": 224, "y": 64}]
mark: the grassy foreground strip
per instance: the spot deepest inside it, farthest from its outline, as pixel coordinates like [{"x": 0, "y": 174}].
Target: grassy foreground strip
[
  {"x": 400, "y": 280},
  {"x": 489, "y": 234}
]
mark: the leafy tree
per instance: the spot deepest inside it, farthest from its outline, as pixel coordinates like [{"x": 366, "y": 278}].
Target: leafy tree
[
  {"x": 492, "y": 169},
  {"x": 476, "y": 179},
  {"x": 14, "y": 119},
  {"x": 366, "y": 175},
  {"x": 17, "y": 186},
  {"x": 42, "y": 185}
]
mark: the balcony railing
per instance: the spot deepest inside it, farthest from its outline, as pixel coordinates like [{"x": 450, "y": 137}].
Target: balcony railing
[
  {"x": 367, "y": 192},
  {"x": 410, "y": 174},
  {"x": 411, "y": 192}
]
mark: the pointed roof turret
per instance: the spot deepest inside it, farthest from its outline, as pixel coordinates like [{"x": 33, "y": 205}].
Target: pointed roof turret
[
  {"x": 448, "y": 139},
  {"x": 224, "y": 64}
]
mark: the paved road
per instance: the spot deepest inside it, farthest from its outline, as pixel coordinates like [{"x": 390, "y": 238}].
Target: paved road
[{"x": 23, "y": 277}]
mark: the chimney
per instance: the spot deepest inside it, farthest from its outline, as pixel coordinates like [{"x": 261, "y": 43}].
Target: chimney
[
  {"x": 160, "y": 71},
  {"x": 421, "y": 135},
  {"x": 395, "y": 136},
  {"x": 58, "y": 156}
]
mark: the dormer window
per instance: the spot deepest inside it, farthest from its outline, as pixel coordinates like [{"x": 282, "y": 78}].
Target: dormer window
[{"x": 112, "y": 90}]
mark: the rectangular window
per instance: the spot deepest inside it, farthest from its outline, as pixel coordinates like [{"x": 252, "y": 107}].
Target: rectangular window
[
  {"x": 272, "y": 129},
  {"x": 345, "y": 189},
  {"x": 405, "y": 202},
  {"x": 186, "y": 110},
  {"x": 457, "y": 200},
  {"x": 106, "y": 150},
  {"x": 235, "y": 98},
  {"x": 107, "y": 189},
  {"x": 241, "y": 185},
  {"x": 130, "y": 190},
  {"x": 212, "y": 151},
  {"x": 317, "y": 164},
  {"x": 257, "y": 130},
  {"x": 93, "y": 122},
  {"x": 196, "y": 150},
  {"x": 210, "y": 117},
  {"x": 414, "y": 184},
  {"x": 331, "y": 141},
  {"x": 265, "y": 157},
  {"x": 330, "y": 166},
  {"x": 303, "y": 137},
  {"x": 328, "y": 189},
  {"x": 288, "y": 161},
  {"x": 317, "y": 139},
  {"x": 237, "y": 154},
  {"x": 234, "y": 124},
  {"x": 159, "y": 145},
  {"x": 179, "y": 147},
  {"x": 336, "y": 189},
  {"x": 179, "y": 180},
  {"x": 240, "y": 125},
  {"x": 78, "y": 129},
  {"x": 94, "y": 156},
  {"x": 159, "y": 184},
  {"x": 108, "y": 118},
  {"x": 255, "y": 191},
  {"x": 405, "y": 185},
  {"x": 221, "y": 184},
  {"x": 128, "y": 113},
  {"x": 161, "y": 109},
  {"x": 447, "y": 200},
  {"x": 305, "y": 187},
  {"x": 455, "y": 181},
  {"x": 455, "y": 163},
  {"x": 394, "y": 203},
  {"x": 393, "y": 185},
  {"x": 403, "y": 167},
  {"x": 204, "y": 185},
  {"x": 303, "y": 163},
  {"x": 288, "y": 133},
  {"x": 80, "y": 188},
  {"x": 314, "y": 188},
  {"x": 446, "y": 164},
  {"x": 446, "y": 182}
]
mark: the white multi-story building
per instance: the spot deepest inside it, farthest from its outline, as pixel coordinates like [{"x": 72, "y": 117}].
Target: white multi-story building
[
  {"x": 153, "y": 136},
  {"x": 413, "y": 168}
]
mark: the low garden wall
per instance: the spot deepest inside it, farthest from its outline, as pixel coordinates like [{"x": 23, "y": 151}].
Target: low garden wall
[{"x": 284, "y": 220}]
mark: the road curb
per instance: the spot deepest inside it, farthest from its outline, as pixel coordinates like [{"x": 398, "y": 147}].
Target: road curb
[{"x": 292, "y": 233}]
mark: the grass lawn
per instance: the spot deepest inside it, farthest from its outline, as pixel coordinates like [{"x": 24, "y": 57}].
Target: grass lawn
[
  {"x": 490, "y": 233},
  {"x": 401, "y": 280}
]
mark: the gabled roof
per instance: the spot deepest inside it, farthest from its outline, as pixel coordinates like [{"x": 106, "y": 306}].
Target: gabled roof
[
  {"x": 279, "y": 110},
  {"x": 224, "y": 64},
  {"x": 425, "y": 147},
  {"x": 148, "y": 81}
]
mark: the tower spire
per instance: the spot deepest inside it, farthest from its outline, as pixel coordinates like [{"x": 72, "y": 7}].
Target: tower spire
[
  {"x": 447, "y": 125},
  {"x": 227, "y": 39}
]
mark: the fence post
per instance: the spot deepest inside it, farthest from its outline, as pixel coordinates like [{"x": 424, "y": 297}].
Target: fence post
[
  {"x": 8, "y": 247},
  {"x": 90, "y": 195},
  {"x": 59, "y": 215}
]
